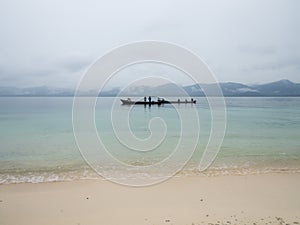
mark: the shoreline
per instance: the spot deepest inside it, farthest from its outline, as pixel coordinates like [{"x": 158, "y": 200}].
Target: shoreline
[
  {"x": 90, "y": 175},
  {"x": 230, "y": 199}
]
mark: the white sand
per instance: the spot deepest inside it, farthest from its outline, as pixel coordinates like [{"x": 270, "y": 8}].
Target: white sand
[{"x": 260, "y": 199}]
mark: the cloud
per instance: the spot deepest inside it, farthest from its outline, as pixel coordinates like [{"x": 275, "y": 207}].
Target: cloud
[
  {"x": 51, "y": 42},
  {"x": 276, "y": 65},
  {"x": 257, "y": 50},
  {"x": 60, "y": 71},
  {"x": 72, "y": 63}
]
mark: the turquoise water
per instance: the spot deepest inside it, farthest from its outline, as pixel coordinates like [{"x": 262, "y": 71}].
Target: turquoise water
[{"x": 37, "y": 142}]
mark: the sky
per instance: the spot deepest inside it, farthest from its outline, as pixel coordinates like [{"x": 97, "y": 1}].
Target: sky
[{"x": 53, "y": 42}]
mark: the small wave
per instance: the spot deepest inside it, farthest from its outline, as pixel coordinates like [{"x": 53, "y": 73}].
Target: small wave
[
  {"x": 221, "y": 171},
  {"x": 36, "y": 177}
]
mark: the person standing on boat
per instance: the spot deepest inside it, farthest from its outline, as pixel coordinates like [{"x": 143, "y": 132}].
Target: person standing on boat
[
  {"x": 145, "y": 99},
  {"x": 149, "y": 99}
]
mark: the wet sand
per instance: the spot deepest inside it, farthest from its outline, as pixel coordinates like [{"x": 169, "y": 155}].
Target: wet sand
[{"x": 252, "y": 199}]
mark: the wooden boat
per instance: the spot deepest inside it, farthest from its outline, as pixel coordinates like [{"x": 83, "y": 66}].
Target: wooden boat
[
  {"x": 158, "y": 102},
  {"x": 130, "y": 102}
]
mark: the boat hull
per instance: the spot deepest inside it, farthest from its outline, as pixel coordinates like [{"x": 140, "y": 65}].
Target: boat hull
[{"x": 129, "y": 102}]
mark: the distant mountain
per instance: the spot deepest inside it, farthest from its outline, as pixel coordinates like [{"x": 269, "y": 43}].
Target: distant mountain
[
  {"x": 237, "y": 89},
  {"x": 169, "y": 89},
  {"x": 278, "y": 88}
]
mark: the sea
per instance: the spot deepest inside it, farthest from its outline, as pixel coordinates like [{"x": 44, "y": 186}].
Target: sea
[{"x": 37, "y": 141}]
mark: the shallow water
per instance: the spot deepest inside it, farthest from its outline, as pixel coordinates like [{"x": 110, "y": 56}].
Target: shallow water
[{"x": 37, "y": 143}]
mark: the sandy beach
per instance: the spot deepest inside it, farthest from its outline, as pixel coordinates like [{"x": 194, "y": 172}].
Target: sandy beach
[{"x": 251, "y": 199}]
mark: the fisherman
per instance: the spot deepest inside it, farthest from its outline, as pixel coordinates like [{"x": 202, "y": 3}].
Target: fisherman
[{"x": 149, "y": 98}]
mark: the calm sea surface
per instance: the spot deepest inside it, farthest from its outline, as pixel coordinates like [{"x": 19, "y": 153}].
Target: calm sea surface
[{"x": 37, "y": 143}]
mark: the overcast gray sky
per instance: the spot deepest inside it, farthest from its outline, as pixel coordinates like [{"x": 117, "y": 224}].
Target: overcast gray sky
[{"x": 51, "y": 42}]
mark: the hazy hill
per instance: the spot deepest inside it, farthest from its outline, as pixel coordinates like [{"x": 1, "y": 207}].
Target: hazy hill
[{"x": 278, "y": 88}]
